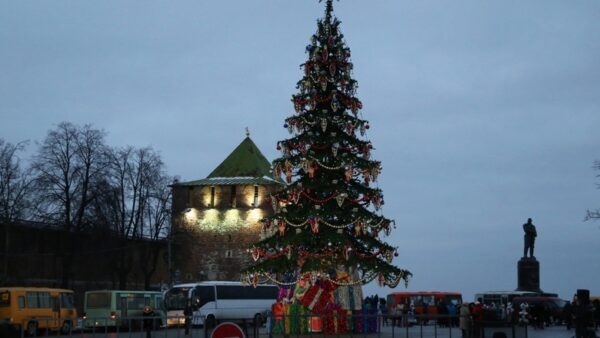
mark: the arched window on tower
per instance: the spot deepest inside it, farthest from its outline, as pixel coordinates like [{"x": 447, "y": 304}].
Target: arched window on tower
[
  {"x": 255, "y": 203},
  {"x": 232, "y": 198}
]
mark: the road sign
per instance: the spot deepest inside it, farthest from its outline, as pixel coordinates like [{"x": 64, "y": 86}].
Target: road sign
[{"x": 227, "y": 330}]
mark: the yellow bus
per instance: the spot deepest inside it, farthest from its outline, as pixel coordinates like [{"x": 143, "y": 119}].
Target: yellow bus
[{"x": 33, "y": 309}]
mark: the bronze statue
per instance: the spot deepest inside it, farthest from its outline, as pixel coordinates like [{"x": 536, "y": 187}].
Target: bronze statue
[{"x": 530, "y": 235}]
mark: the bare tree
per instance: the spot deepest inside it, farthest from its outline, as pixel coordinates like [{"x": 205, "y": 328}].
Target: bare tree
[
  {"x": 156, "y": 225},
  {"x": 134, "y": 207},
  {"x": 14, "y": 183},
  {"x": 594, "y": 214},
  {"x": 70, "y": 161}
]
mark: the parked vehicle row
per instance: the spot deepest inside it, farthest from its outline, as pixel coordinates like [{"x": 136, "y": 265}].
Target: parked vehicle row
[{"x": 34, "y": 309}]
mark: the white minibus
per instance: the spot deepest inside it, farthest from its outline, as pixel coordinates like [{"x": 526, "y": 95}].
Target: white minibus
[{"x": 215, "y": 301}]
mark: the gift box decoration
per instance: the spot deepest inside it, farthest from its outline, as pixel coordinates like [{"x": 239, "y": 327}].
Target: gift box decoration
[
  {"x": 335, "y": 321},
  {"x": 316, "y": 299}
]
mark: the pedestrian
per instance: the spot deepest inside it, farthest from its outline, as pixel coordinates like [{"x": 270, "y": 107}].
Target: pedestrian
[
  {"x": 397, "y": 315},
  {"x": 464, "y": 321},
  {"x": 452, "y": 312},
  {"x": 383, "y": 311},
  {"x": 187, "y": 313},
  {"x": 567, "y": 314},
  {"x": 477, "y": 315},
  {"x": 148, "y": 314}
]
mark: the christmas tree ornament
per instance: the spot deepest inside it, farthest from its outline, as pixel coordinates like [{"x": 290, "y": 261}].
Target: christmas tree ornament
[
  {"x": 323, "y": 83},
  {"x": 311, "y": 171},
  {"x": 281, "y": 228},
  {"x": 350, "y": 129},
  {"x": 255, "y": 253},
  {"x": 357, "y": 228},
  {"x": 375, "y": 173},
  {"x": 289, "y": 252},
  {"x": 314, "y": 224},
  {"x": 367, "y": 176},
  {"x": 340, "y": 198},
  {"x": 274, "y": 204},
  {"x": 323, "y": 124},
  {"x": 306, "y": 164},
  {"x": 347, "y": 252},
  {"x": 334, "y": 149},
  {"x": 363, "y": 130},
  {"x": 389, "y": 255},
  {"x": 348, "y": 173},
  {"x": 366, "y": 152},
  {"x": 335, "y": 104}
]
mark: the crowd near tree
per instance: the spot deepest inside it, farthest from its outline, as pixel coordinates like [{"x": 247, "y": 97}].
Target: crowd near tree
[{"x": 77, "y": 183}]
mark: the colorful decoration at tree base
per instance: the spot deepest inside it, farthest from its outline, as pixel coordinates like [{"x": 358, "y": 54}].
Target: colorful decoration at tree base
[
  {"x": 333, "y": 321},
  {"x": 322, "y": 306}
]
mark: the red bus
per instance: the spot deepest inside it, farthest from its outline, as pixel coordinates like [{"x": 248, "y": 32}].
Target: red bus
[{"x": 421, "y": 298}]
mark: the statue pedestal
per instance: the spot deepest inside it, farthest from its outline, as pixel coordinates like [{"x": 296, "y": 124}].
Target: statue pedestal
[{"x": 529, "y": 275}]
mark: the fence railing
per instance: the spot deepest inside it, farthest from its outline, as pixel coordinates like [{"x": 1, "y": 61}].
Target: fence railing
[{"x": 270, "y": 326}]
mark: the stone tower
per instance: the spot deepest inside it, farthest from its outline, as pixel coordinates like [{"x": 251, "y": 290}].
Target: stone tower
[{"x": 215, "y": 219}]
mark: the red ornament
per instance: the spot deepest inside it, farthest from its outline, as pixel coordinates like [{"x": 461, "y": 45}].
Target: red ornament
[
  {"x": 348, "y": 174},
  {"x": 314, "y": 224},
  {"x": 256, "y": 253},
  {"x": 311, "y": 171},
  {"x": 357, "y": 228},
  {"x": 281, "y": 227}
]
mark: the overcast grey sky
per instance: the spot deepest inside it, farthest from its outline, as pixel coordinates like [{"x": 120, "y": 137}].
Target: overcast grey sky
[{"x": 483, "y": 113}]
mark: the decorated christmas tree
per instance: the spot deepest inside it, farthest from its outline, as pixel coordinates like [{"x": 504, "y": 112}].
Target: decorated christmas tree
[{"x": 327, "y": 224}]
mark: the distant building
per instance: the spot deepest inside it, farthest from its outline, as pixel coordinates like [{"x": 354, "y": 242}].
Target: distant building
[{"x": 216, "y": 219}]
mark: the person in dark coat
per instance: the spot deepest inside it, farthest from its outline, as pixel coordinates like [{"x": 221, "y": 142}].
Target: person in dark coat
[
  {"x": 187, "y": 313},
  {"x": 148, "y": 315},
  {"x": 567, "y": 314}
]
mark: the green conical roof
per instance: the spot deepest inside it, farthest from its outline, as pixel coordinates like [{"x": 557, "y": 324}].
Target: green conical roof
[
  {"x": 245, "y": 165},
  {"x": 244, "y": 161}
]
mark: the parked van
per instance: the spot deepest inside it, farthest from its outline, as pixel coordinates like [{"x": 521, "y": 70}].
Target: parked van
[
  {"x": 33, "y": 309},
  {"x": 214, "y": 301}
]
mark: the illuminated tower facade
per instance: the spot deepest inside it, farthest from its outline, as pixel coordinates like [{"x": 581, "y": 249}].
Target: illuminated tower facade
[{"x": 215, "y": 219}]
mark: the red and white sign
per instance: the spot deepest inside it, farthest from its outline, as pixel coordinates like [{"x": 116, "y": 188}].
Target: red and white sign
[{"x": 227, "y": 330}]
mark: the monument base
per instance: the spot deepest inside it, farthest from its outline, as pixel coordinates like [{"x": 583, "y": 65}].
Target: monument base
[{"x": 528, "y": 271}]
